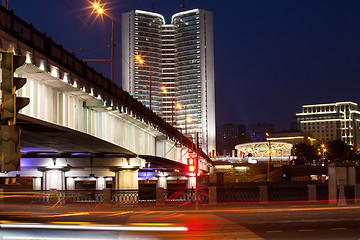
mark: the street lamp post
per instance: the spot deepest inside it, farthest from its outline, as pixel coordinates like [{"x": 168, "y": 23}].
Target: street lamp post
[
  {"x": 187, "y": 119},
  {"x": 142, "y": 62},
  {"x": 323, "y": 152},
  {"x": 100, "y": 10},
  {"x": 172, "y": 105},
  {"x": 269, "y": 160}
]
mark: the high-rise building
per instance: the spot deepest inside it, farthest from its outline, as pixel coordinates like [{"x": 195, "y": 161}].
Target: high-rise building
[
  {"x": 257, "y": 132},
  {"x": 228, "y": 136},
  {"x": 331, "y": 121},
  {"x": 177, "y": 69}
]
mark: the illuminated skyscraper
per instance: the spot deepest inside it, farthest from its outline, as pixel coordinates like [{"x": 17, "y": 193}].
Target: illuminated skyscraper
[{"x": 178, "y": 68}]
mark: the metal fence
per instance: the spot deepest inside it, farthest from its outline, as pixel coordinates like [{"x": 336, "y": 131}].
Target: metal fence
[
  {"x": 232, "y": 192},
  {"x": 238, "y": 194}
]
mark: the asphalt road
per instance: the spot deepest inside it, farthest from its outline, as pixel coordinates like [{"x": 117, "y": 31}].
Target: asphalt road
[{"x": 222, "y": 221}]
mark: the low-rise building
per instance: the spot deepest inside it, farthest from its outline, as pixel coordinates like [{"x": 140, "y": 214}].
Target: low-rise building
[{"x": 331, "y": 121}]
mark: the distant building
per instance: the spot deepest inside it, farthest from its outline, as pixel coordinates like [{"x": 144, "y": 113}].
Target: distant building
[
  {"x": 228, "y": 136},
  {"x": 331, "y": 121},
  {"x": 293, "y": 137},
  {"x": 257, "y": 132}
]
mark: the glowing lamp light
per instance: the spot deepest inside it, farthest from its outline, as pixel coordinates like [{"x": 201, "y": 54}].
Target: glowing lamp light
[
  {"x": 164, "y": 89},
  {"x": 100, "y": 10},
  {"x": 178, "y": 106},
  {"x": 191, "y": 168}
]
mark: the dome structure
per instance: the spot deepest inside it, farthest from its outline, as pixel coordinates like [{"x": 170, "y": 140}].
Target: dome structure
[{"x": 261, "y": 149}]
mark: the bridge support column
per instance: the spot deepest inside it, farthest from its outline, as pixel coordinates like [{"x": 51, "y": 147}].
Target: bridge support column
[
  {"x": 161, "y": 188},
  {"x": 126, "y": 186},
  {"x": 70, "y": 183},
  {"x": 54, "y": 179},
  {"x": 161, "y": 181},
  {"x": 100, "y": 183},
  {"x": 37, "y": 183}
]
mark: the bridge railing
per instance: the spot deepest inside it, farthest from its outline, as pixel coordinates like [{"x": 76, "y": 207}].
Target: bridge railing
[
  {"x": 87, "y": 77},
  {"x": 230, "y": 193}
]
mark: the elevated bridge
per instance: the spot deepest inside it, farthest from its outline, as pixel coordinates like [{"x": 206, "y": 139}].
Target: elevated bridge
[{"x": 81, "y": 126}]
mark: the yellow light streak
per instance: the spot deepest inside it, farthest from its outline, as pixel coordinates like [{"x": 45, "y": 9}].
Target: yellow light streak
[{"x": 152, "y": 224}]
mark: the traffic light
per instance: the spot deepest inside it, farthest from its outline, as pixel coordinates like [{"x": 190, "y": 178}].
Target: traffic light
[
  {"x": 10, "y": 148},
  {"x": 192, "y": 164},
  {"x": 10, "y": 104}
]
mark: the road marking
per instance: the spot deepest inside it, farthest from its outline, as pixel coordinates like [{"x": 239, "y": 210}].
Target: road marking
[
  {"x": 306, "y": 230},
  {"x": 274, "y": 231}
]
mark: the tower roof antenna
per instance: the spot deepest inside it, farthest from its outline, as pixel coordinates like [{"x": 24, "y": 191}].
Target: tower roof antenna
[
  {"x": 153, "y": 5},
  {"x": 183, "y": 6}
]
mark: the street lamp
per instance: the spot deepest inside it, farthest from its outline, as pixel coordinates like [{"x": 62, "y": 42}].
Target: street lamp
[
  {"x": 100, "y": 10},
  {"x": 142, "y": 62},
  {"x": 269, "y": 159},
  {"x": 164, "y": 90},
  {"x": 187, "y": 119},
  {"x": 323, "y": 152}
]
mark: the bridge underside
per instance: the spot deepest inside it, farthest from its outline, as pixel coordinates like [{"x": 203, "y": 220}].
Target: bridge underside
[
  {"x": 43, "y": 137},
  {"x": 40, "y": 139}
]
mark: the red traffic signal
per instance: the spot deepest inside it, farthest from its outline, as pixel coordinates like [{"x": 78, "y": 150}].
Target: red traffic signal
[{"x": 192, "y": 164}]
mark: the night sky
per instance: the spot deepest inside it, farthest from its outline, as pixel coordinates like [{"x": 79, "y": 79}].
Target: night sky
[{"x": 271, "y": 56}]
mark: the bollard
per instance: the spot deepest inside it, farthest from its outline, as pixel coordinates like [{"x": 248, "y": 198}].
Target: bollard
[
  {"x": 160, "y": 198},
  {"x": 312, "y": 192},
  {"x": 263, "y": 193},
  {"x": 212, "y": 195},
  {"x": 106, "y": 196}
]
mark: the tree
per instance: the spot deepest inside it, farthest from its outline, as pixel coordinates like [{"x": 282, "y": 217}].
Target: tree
[
  {"x": 339, "y": 151},
  {"x": 304, "y": 153}
]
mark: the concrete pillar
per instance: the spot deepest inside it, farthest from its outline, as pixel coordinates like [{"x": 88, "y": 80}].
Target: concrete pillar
[
  {"x": 126, "y": 179},
  {"x": 54, "y": 179},
  {"x": 100, "y": 183},
  {"x": 263, "y": 193},
  {"x": 332, "y": 185},
  {"x": 70, "y": 183},
  {"x": 312, "y": 192},
  {"x": 212, "y": 177},
  {"x": 191, "y": 183},
  {"x": 126, "y": 185},
  {"x": 37, "y": 183},
  {"x": 106, "y": 195},
  {"x": 161, "y": 181},
  {"x": 212, "y": 195},
  {"x": 160, "y": 198},
  {"x": 53, "y": 196},
  {"x": 342, "y": 198}
]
